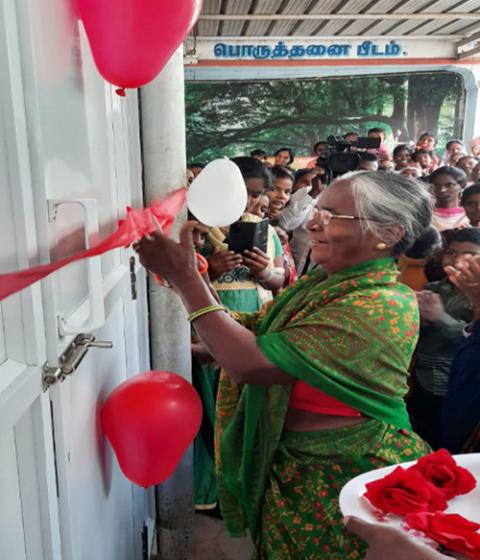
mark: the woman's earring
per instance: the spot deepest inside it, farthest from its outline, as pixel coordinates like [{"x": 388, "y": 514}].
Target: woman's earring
[{"x": 381, "y": 246}]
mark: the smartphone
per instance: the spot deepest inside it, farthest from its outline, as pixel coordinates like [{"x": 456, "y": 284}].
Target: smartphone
[{"x": 244, "y": 236}]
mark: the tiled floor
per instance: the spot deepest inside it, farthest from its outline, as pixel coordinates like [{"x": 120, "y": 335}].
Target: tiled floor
[{"x": 210, "y": 541}]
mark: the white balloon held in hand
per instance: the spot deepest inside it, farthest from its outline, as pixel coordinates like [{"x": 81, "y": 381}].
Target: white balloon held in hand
[{"x": 218, "y": 197}]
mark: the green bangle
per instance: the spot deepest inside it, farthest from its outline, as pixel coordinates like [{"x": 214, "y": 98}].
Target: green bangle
[{"x": 203, "y": 311}]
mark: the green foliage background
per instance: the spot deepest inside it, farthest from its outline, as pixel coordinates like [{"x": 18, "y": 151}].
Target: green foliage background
[{"x": 233, "y": 118}]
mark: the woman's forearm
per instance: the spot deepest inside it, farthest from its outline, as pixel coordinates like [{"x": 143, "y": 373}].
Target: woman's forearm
[{"x": 234, "y": 347}]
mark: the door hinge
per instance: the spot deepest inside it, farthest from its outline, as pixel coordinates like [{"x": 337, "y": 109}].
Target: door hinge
[
  {"x": 71, "y": 359},
  {"x": 133, "y": 278}
]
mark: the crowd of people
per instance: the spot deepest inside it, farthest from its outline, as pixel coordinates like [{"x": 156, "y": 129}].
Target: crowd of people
[{"x": 350, "y": 341}]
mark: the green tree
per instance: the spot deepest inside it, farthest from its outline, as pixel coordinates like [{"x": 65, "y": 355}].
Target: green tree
[{"x": 232, "y": 118}]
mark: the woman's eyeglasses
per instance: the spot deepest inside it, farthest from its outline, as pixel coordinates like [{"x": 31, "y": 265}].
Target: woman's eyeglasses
[{"x": 325, "y": 216}]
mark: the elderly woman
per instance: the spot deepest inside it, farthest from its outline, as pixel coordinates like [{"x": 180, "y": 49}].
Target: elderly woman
[{"x": 313, "y": 387}]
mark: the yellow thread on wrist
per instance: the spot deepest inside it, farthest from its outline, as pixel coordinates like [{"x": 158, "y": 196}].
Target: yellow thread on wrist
[{"x": 203, "y": 311}]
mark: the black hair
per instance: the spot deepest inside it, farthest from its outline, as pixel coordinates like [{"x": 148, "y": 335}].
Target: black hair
[
  {"x": 429, "y": 243},
  {"x": 470, "y": 191},
  {"x": 290, "y": 153},
  {"x": 281, "y": 172},
  {"x": 378, "y": 130},
  {"x": 302, "y": 172},
  {"x": 319, "y": 143},
  {"x": 196, "y": 164},
  {"x": 451, "y": 142},
  {"x": 368, "y": 156},
  {"x": 258, "y": 153},
  {"x": 349, "y": 133},
  {"x": 421, "y": 151},
  {"x": 465, "y": 235},
  {"x": 401, "y": 148},
  {"x": 425, "y": 134},
  {"x": 467, "y": 157},
  {"x": 456, "y": 174},
  {"x": 252, "y": 168}
]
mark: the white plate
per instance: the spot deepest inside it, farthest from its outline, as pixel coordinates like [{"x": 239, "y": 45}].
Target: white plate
[{"x": 352, "y": 501}]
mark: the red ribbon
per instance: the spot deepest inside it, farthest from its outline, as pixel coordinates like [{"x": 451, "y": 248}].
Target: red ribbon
[{"x": 137, "y": 223}]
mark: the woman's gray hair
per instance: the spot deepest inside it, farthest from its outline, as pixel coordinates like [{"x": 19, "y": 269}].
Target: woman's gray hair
[{"x": 385, "y": 200}]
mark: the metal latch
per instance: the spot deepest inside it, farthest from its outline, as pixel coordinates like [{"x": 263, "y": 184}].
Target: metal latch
[{"x": 71, "y": 359}]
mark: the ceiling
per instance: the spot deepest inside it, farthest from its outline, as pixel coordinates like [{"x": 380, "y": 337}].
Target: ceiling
[{"x": 456, "y": 20}]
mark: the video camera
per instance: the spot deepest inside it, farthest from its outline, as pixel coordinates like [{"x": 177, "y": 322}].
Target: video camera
[{"x": 342, "y": 155}]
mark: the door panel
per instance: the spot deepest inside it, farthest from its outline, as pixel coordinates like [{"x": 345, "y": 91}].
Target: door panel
[
  {"x": 11, "y": 534},
  {"x": 69, "y": 137}
]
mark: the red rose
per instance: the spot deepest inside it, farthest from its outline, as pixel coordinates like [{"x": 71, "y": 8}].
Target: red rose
[
  {"x": 405, "y": 491},
  {"x": 441, "y": 470},
  {"x": 450, "y": 530}
]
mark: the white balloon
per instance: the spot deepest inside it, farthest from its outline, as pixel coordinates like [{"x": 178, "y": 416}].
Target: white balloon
[{"x": 218, "y": 195}]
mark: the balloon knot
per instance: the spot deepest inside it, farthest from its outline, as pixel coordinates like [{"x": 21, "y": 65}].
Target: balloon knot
[{"x": 121, "y": 92}]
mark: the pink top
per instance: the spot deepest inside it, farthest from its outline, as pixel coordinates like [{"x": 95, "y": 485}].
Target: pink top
[{"x": 306, "y": 397}]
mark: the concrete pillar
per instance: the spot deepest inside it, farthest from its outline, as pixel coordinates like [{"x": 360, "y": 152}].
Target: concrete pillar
[{"x": 164, "y": 166}]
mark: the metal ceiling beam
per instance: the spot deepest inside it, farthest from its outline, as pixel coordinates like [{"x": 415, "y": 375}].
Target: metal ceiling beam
[
  {"x": 330, "y": 37},
  {"x": 318, "y": 17},
  {"x": 469, "y": 53},
  {"x": 468, "y": 39}
]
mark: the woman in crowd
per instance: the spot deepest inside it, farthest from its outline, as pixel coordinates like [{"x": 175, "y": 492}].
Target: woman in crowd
[
  {"x": 284, "y": 157},
  {"x": 313, "y": 387},
  {"x": 444, "y": 313},
  {"x": 243, "y": 283},
  {"x": 411, "y": 171},
  {"x": 453, "y": 148},
  {"x": 471, "y": 204},
  {"x": 402, "y": 156},
  {"x": 460, "y": 420},
  {"x": 304, "y": 178},
  {"x": 447, "y": 185},
  {"x": 467, "y": 165}
]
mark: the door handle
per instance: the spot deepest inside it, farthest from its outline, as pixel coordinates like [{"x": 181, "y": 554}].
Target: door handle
[
  {"x": 71, "y": 359},
  {"x": 96, "y": 316}
]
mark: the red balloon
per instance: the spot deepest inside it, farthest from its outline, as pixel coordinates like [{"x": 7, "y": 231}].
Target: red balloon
[
  {"x": 150, "y": 421},
  {"x": 132, "y": 40}
]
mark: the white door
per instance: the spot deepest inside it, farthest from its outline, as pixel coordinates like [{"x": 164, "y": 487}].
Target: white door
[{"x": 81, "y": 153}]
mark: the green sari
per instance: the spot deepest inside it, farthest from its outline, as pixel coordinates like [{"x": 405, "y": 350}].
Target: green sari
[{"x": 351, "y": 336}]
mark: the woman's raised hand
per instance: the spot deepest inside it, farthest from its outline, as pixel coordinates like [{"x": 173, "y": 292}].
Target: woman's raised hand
[
  {"x": 173, "y": 261},
  {"x": 466, "y": 276}
]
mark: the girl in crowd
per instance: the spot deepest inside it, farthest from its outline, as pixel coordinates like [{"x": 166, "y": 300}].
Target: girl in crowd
[
  {"x": 280, "y": 193},
  {"x": 444, "y": 313},
  {"x": 447, "y": 184},
  {"x": 467, "y": 165},
  {"x": 402, "y": 156},
  {"x": 424, "y": 159},
  {"x": 427, "y": 142},
  {"x": 284, "y": 157},
  {"x": 243, "y": 283},
  {"x": 313, "y": 387},
  {"x": 471, "y": 204}
]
